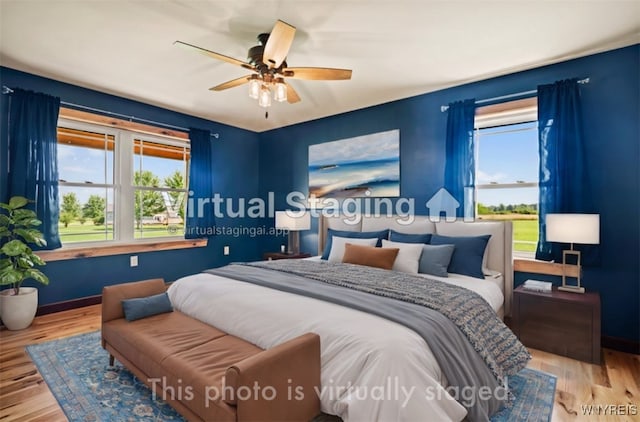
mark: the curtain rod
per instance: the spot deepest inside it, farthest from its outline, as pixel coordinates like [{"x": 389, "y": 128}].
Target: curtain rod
[
  {"x": 7, "y": 90},
  {"x": 504, "y": 97}
]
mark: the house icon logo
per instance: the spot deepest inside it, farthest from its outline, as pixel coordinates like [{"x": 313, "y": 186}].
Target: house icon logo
[{"x": 442, "y": 202}]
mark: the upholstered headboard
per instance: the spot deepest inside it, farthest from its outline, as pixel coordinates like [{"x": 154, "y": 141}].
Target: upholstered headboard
[{"x": 499, "y": 248}]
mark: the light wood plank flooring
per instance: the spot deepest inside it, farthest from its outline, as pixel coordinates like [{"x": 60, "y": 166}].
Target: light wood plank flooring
[{"x": 25, "y": 397}]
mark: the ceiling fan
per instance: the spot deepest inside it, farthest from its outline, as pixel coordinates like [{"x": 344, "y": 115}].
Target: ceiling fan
[{"x": 268, "y": 63}]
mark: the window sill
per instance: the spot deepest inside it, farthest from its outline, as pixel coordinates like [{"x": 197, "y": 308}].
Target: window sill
[
  {"x": 526, "y": 256},
  {"x": 119, "y": 249},
  {"x": 544, "y": 267}
]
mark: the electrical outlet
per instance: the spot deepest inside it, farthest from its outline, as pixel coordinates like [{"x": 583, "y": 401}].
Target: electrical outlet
[
  {"x": 133, "y": 260},
  {"x": 225, "y": 250}
]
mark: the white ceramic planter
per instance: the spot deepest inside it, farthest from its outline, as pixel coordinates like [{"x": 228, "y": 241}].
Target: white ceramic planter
[{"x": 17, "y": 311}]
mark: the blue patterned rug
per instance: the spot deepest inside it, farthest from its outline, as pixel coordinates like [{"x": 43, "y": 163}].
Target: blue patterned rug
[{"x": 76, "y": 370}]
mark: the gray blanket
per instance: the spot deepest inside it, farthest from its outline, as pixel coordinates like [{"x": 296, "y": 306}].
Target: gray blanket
[{"x": 470, "y": 343}]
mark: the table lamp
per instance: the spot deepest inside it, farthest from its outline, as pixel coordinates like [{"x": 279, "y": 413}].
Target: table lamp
[
  {"x": 573, "y": 228},
  {"x": 293, "y": 222}
]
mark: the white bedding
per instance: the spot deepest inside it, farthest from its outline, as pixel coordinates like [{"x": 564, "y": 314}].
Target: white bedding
[{"x": 372, "y": 369}]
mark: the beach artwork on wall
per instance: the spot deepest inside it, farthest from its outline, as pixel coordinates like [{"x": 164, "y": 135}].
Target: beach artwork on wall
[{"x": 367, "y": 165}]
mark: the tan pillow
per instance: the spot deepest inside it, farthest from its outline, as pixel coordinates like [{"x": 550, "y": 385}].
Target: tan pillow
[{"x": 370, "y": 256}]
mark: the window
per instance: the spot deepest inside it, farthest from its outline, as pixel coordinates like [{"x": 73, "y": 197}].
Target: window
[
  {"x": 506, "y": 139},
  {"x": 119, "y": 185},
  {"x": 86, "y": 185},
  {"x": 160, "y": 190}
]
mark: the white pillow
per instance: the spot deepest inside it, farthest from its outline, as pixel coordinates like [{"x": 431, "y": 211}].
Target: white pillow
[
  {"x": 408, "y": 259},
  {"x": 337, "y": 246}
]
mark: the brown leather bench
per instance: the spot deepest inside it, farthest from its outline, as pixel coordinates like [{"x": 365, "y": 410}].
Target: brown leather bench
[{"x": 206, "y": 374}]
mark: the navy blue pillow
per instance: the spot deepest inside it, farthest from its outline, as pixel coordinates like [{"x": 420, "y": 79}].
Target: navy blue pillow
[
  {"x": 142, "y": 307},
  {"x": 467, "y": 255},
  {"x": 382, "y": 234},
  {"x": 395, "y": 236}
]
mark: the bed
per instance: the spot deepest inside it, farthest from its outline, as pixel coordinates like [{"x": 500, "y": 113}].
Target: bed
[{"x": 373, "y": 368}]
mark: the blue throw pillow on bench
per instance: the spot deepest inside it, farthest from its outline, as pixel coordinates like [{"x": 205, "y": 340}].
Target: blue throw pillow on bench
[
  {"x": 468, "y": 253},
  {"x": 382, "y": 234},
  {"x": 142, "y": 307}
]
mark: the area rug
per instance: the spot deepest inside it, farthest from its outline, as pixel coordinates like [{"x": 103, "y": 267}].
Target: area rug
[{"x": 76, "y": 369}]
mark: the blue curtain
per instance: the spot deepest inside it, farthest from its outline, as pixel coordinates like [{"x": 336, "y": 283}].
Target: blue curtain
[
  {"x": 563, "y": 173},
  {"x": 200, "y": 185},
  {"x": 459, "y": 173},
  {"x": 33, "y": 157}
]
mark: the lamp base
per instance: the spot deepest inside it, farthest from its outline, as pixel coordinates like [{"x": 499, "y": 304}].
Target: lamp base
[
  {"x": 294, "y": 242},
  {"x": 576, "y": 288},
  {"x": 572, "y": 289}
]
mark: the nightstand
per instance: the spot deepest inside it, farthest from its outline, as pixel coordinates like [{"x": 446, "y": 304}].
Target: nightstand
[
  {"x": 563, "y": 323},
  {"x": 272, "y": 256}
]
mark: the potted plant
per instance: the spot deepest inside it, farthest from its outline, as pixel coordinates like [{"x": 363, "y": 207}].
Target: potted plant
[{"x": 18, "y": 305}]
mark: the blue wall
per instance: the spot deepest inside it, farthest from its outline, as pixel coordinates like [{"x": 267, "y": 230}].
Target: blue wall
[
  {"x": 236, "y": 175},
  {"x": 612, "y": 137},
  {"x": 249, "y": 163}
]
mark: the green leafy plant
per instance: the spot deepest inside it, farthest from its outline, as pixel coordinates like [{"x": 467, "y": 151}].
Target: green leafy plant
[{"x": 17, "y": 231}]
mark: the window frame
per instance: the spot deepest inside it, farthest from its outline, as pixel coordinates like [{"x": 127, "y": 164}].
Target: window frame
[
  {"x": 498, "y": 115},
  {"x": 155, "y": 139},
  {"x": 87, "y": 127},
  {"x": 123, "y": 184}
]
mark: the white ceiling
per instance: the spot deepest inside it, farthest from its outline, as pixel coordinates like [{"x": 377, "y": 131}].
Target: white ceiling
[{"x": 396, "y": 48}]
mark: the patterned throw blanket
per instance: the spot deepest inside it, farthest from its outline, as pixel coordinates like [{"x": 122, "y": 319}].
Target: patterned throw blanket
[{"x": 500, "y": 349}]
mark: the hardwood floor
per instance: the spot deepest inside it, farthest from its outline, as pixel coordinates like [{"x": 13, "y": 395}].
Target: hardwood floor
[
  {"x": 25, "y": 397},
  {"x": 23, "y": 394}
]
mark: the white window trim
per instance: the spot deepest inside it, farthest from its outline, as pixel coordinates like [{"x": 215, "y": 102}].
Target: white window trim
[
  {"x": 125, "y": 215},
  {"x": 124, "y": 218}
]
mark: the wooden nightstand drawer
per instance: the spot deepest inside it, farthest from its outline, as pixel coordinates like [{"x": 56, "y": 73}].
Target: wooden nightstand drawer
[{"x": 563, "y": 323}]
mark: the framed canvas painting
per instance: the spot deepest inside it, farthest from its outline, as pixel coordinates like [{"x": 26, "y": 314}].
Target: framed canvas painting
[{"x": 364, "y": 166}]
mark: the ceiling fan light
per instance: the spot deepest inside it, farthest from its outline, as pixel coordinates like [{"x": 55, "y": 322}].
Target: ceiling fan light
[
  {"x": 280, "y": 93},
  {"x": 264, "y": 100},
  {"x": 254, "y": 88}
]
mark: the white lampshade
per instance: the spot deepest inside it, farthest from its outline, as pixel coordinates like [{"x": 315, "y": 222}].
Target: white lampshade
[
  {"x": 573, "y": 228},
  {"x": 288, "y": 221}
]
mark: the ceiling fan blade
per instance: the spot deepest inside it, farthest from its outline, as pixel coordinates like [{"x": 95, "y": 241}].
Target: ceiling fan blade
[
  {"x": 278, "y": 44},
  {"x": 231, "y": 84},
  {"x": 213, "y": 54},
  {"x": 292, "y": 95},
  {"x": 317, "y": 73}
]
